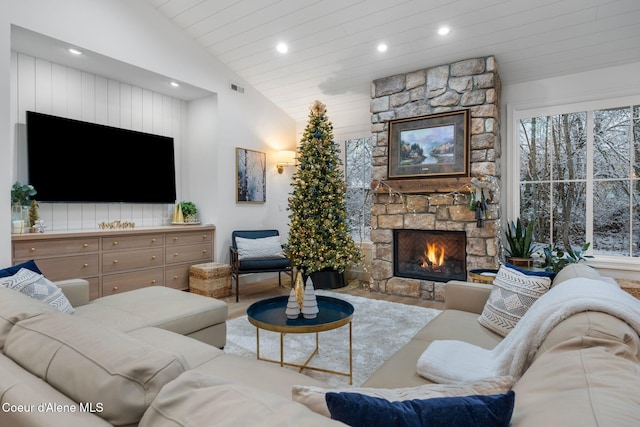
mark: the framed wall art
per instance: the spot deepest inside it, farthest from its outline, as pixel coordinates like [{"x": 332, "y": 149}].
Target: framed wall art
[
  {"x": 251, "y": 176},
  {"x": 431, "y": 146}
]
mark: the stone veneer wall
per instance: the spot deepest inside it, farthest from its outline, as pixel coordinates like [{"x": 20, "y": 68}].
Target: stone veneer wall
[{"x": 471, "y": 84}]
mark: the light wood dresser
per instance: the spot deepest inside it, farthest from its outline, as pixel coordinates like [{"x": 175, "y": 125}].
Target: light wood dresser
[{"x": 115, "y": 261}]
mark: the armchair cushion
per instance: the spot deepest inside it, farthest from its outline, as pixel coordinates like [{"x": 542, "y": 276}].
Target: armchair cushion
[{"x": 264, "y": 247}]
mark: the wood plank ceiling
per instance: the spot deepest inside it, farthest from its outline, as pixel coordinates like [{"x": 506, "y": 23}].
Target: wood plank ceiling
[{"x": 333, "y": 52}]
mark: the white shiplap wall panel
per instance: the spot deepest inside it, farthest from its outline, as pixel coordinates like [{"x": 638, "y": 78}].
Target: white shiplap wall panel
[
  {"x": 44, "y": 92},
  {"x": 42, "y": 86},
  {"x": 74, "y": 94},
  {"x": 101, "y": 103},
  {"x": 136, "y": 109},
  {"x": 88, "y": 97}
]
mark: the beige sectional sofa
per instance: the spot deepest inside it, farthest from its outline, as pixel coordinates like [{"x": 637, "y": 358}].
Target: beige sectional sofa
[
  {"x": 586, "y": 373},
  {"x": 148, "y": 357},
  {"x": 113, "y": 362}
]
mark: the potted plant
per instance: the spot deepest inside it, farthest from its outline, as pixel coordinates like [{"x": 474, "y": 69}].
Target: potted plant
[
  {"x": 520, "y": 241},
  {"x": 556, "y": 258},
  {"x": 189, "y": 212},
  {"x": 20, "y": 194}
]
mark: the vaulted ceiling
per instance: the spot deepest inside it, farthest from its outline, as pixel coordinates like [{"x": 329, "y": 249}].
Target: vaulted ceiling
[{"x": 333, "y": 52}]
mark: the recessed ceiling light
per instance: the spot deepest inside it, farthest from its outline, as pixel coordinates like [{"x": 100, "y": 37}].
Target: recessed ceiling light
[
  {"x": 382, "y": 47},
  {"x": 74, "y": 51},
  {"x": 175, "y": 84},
  {"x": 444, "y": 30},
  {"x": 282, "y": 48}
]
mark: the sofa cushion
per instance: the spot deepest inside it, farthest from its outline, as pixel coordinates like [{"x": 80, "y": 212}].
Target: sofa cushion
[
  {"x": 10, "y": 271},
  {"x": 158, "y": 306},
  {"x": 196, "y": 399},
  {"x": 19, "y": 387},
  {"x": 571, "y": 271},
  {"x": 358, "y": 410},
  {"x": 512, "y": 294},
  {"x": 39, "y": 287},
  {"x": 315, "y": 397},
  {"x": 92, "y": 363},
  {"x": 14, "y": 307},
  {"x": 586, "y": 380},
  {"x": 264, "y": 247}
]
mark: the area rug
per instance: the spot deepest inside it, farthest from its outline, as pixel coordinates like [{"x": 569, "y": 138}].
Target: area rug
[{"x": 380, "y": 328}]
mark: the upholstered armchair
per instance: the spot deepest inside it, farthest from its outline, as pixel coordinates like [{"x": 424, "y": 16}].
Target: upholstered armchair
[{"x": 257, "y": 251}]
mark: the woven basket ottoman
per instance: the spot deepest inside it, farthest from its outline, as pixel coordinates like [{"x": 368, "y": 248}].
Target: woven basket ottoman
[{"x": 211, "y": 279}]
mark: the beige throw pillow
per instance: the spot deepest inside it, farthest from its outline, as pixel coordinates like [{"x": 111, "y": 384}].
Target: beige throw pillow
[
  {"x": 513, "y": 293},
  {"x": 314, "y": 397},
  {"x": 264, "y": 247}
]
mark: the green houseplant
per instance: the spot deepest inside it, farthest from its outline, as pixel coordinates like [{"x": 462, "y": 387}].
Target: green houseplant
[
  {"x": 189, "y": 211},
  {"x": 520, "y": 241},
  {"x": 556, "y": 258},
  {"x": 20, "y": 194}
]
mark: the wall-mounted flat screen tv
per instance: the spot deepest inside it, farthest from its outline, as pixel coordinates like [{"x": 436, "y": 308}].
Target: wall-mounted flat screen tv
[{"x": 76, "y": 161}]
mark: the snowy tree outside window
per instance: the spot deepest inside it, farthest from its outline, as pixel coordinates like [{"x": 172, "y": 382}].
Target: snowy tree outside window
[
  {"x": 358, "y": 181},
  {"x": 580, "y": 178}
]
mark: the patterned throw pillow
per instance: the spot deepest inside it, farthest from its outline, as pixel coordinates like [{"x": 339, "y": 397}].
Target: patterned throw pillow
[
  {"x": 37, "y": 286},
  {"x": 512, "y": 294}
]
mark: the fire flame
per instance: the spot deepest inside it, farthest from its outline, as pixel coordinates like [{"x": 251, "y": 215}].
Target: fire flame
[{"x": 433, "y": 255}]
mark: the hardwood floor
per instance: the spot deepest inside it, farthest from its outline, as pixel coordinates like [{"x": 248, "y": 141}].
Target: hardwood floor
[{"x": 252, "y": 292}]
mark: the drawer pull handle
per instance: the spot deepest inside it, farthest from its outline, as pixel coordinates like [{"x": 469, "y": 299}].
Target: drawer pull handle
[
  {"x": 204, "y": 251},
  {"x": 32, "y": 249},
  {"x": 153, "y": 282},
  {"x": 115, "y": 243},
  {"x": 153, "y": 257},
  {"x": 86, "y": 265},
  {"x": 175, "y": 277},
  {"x": 204, "y": 236},
  {"x": 175, "y": 238},
  {"x": 115, "y": 288},
  {"x": 153, "y": 240},
  {"x": 176, "y": 254},
  {"x": 115, "y": 261},
  {"x": 86, "y": 245}
]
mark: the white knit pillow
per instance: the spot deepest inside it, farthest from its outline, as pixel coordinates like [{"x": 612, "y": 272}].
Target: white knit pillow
[
  {"x": 264, "y": 247},
  {"x": 513, "y": 293},
  {"x": 39, "y": 287}
]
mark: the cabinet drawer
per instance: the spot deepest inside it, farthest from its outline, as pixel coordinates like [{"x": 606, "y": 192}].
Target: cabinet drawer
[
  {"x": 129, "y": 260},
  {"x": 123, "y": 282},
  {"x": 188, "y": 253},
  {"x": 128, "y": 242},
  {"x": 62, "y": 268},
  {"x": 189, "y": 237},
  {"x": 177, "y": 277},
  {"x": 40, "y": 248}
]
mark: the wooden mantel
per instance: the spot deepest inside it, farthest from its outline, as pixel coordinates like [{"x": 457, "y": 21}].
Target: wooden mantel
[{"x": 424, "y": 185}]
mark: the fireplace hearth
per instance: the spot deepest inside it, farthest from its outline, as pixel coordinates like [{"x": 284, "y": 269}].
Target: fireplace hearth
[{"x": 430, "y": 254}]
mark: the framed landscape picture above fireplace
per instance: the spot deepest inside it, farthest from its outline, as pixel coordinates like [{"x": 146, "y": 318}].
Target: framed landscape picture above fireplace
[{"x": 431, "y": 146}]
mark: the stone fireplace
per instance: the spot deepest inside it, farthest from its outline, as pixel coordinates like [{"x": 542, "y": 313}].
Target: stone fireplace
[
  {"x": 429, "y": 254},
  {"x": 434, "y": 205}
]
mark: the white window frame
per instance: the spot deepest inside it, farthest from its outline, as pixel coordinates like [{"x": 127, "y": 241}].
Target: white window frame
[{"x": 511, "y": 164}]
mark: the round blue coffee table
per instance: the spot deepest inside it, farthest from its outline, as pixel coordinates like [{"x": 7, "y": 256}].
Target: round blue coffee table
[{"x": 269, "y": 314}]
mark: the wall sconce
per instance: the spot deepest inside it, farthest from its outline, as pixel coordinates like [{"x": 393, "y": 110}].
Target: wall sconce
[{"x": 285, "y": 158}]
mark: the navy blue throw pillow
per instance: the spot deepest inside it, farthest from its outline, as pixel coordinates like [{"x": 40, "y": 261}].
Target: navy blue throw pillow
[
  {"x": 538, "y": 273},
  {"x": 359, "y": 410},
  {"x": 29, "y": 265}
]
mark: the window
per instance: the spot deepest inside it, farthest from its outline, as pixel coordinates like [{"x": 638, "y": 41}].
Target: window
[
  {"x": 358, "y": 180},
  {"x": 579, "y": 176}
]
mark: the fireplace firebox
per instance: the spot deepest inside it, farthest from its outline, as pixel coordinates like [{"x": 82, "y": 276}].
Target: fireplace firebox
[{"x": 430, "y": 254}]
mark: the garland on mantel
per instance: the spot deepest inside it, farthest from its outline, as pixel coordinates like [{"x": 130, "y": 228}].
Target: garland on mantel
[{"x": 480, "y": 193}]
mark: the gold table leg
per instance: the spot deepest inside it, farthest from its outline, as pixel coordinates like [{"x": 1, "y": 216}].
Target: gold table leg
[{"x": 305, "y": 365}]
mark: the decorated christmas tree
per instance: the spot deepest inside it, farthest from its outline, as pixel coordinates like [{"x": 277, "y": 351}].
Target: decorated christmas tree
[{"x": 319, "y": 237}]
